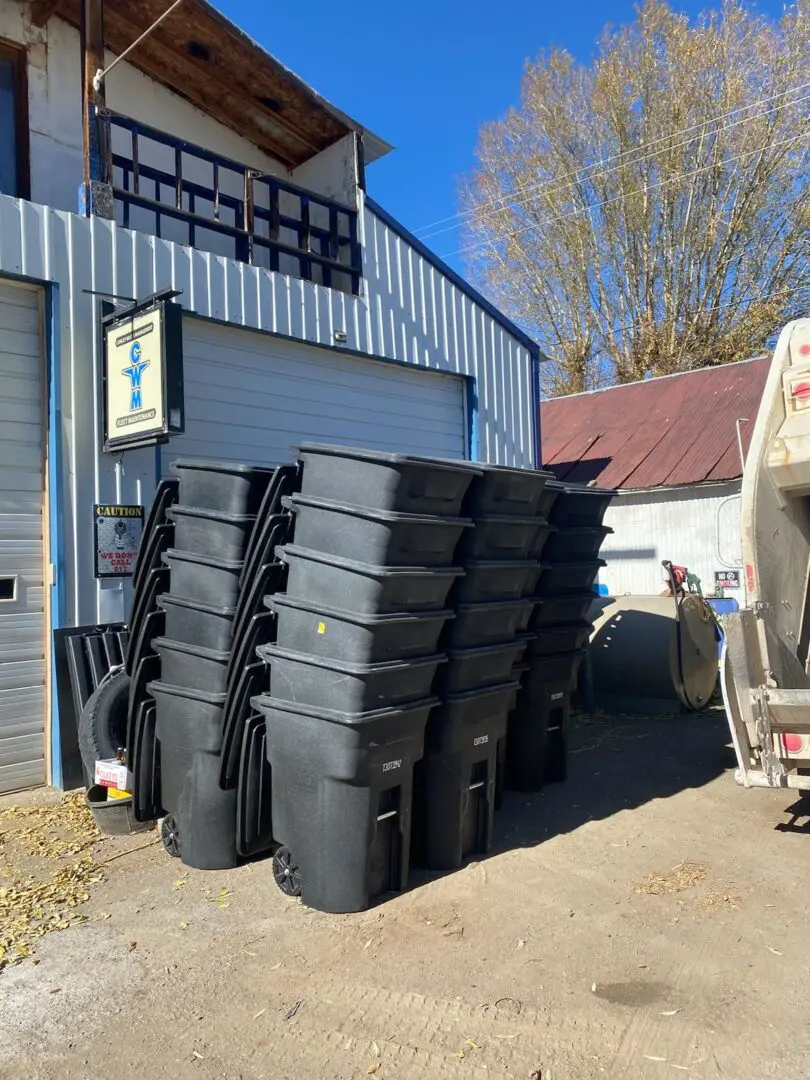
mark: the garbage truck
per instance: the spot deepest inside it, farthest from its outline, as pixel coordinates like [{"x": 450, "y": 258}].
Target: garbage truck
[{"x": 766, "y": 654}]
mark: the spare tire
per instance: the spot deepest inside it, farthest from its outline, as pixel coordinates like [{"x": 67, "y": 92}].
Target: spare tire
[{"x": 103, "y": 723}]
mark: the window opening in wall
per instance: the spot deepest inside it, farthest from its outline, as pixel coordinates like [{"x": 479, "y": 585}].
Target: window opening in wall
[{"x": 13, "y": 122}]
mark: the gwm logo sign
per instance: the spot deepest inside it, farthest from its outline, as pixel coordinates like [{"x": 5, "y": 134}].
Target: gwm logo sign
[
  {"x": 143, "y": 374},
  {"x": 134, "y": 373}
]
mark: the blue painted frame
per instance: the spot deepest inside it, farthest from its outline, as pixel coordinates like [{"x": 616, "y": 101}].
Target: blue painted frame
[
  {"x": 56, "y": 554},
  {"x": 473, "y": 449}
]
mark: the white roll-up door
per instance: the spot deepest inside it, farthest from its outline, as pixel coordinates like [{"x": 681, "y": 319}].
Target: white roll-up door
[
  {"x": 252, "y": 397},
  {"x": 22, "y": 595}
]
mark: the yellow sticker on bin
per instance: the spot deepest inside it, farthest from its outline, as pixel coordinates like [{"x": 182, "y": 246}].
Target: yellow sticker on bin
[{"x": 321, "y": 627}]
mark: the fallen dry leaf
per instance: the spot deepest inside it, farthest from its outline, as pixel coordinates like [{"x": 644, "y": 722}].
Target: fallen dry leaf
[
  {"x": 291, "y": 1013},
  {"x": 683, "y": 876}
]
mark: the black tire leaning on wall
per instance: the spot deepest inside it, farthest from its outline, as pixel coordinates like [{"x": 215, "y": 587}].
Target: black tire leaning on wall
[{"x": 103, "y": 723}]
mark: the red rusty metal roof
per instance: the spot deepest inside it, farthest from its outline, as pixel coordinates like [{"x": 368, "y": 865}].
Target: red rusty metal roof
[{"x": 666, "y": 432}]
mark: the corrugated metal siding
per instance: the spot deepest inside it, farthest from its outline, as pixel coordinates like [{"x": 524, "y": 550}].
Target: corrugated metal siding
[
  {"x": 22, "y": 616},
  {"x": 408, "y": 312},
  {"x": 250, "y": 397},
  {"x": 694, "y": 527}
]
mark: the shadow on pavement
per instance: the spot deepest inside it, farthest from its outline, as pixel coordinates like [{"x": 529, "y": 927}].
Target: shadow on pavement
[{"x": 617, "y": 763}]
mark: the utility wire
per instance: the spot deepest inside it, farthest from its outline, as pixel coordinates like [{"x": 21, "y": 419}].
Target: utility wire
[
  {"x": 697, "y": 311},
  {"x": 588, "y": 170},
  {"x": 526, "y": 196},
  {"x": 490, "y": 241}
]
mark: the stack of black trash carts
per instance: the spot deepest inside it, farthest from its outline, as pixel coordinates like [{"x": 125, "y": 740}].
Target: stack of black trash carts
[{"x": 344, "y": 662}]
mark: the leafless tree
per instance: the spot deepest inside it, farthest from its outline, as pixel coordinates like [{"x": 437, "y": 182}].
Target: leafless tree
[{"x": 650, "y": 213}]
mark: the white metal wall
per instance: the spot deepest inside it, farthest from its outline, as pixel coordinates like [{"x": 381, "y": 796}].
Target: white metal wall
[
  {"x": 252, "y": 397},
  {"x": 697, "y": 527},
  {"x": 409, "y": 311}
]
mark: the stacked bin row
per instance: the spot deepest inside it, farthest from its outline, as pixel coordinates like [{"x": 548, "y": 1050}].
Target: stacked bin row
[
  {"x": 221, "y": 565},
  {"x": 142, "y": 664},
  {"x": 458, "y": 779},
  {"x": 537, "y": 739},
  {"x": 390, "y": 639},
  {"x": 353, "y": 672}
]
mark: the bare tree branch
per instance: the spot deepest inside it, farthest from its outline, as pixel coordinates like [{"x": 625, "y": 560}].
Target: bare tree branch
[{"x": 650, "y": 213}]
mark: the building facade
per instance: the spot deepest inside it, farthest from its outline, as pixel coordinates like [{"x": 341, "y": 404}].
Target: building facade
[
  {"x": 309, "y": 313},
  {"x": 674, "y": 448}
]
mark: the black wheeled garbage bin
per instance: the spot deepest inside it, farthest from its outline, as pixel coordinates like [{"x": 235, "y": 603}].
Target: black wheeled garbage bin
[
  {"x": 537, "y": 731},
  {"x": 341, "y": 796},
  {"x": 455, "y": 782}
]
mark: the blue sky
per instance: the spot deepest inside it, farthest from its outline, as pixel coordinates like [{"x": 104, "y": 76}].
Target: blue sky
[{"x": 424, "y": 74}]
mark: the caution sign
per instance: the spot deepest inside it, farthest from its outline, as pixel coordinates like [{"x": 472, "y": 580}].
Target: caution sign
[{"x": 118, "y": 531}]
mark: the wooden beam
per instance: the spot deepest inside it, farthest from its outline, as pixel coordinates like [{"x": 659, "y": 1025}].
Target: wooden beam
[
  {"x": 91, "y": 35},
  {"x": 41, "y": 11},
  {"x": 168, "y": 68},
  {"x": 207, "y": 84}
]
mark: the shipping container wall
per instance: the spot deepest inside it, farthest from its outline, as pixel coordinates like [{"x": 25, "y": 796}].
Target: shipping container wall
[
  {"x": 696, "y": 527},
  {"x": 408, "y": 312}
]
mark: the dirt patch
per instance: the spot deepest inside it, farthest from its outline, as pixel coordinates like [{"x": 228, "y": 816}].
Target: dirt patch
[{"x": 537, "y": 959}]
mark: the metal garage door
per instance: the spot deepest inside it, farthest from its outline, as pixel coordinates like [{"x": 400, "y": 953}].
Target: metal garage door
[
  {"x": 22, "y": 598},
  {"x": 251, "y": 397}
]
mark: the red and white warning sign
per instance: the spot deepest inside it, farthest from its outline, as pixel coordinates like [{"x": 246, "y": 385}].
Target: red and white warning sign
[{"x": 118, "y": 532}]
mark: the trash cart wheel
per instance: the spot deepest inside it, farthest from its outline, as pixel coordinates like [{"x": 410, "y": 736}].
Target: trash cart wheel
[
  {"x": 170, "y": 835},
  {"x": 286, "y": 873}
]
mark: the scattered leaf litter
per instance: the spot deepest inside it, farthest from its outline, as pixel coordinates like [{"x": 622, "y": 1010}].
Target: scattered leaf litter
[
  {"x": 683, "y": 876},
  {"x": 35, "y": 899}
]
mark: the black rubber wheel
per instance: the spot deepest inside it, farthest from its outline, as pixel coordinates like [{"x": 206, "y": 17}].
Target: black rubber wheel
[
  {"x": 103, "y": 723},
  {"x": 170, "y": 835},
  {"x": 286, "y": 873}
]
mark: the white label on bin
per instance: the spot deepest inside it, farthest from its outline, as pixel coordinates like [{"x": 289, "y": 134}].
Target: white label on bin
[
  {"x": 481, "y": 740},
  {"x": 389, "y": 765},
  {"x": 111, "y": 772},
  {"x": 558, "y": 696}
]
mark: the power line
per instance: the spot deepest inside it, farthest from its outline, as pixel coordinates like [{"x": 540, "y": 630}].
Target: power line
[
  {"x": 597, "y": 166},
  {"x": 606, "y": 172},
  {"x": 619, "y": 198},
  {"x": 700, "y": 311}
]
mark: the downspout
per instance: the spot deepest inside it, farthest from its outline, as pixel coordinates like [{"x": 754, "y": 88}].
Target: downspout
[{"x": 538, "y": 446}]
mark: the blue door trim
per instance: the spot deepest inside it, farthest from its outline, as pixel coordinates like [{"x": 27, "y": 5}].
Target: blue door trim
[
  {"x": 58, "y": 602},
  {"x": 473, "y": 449}
]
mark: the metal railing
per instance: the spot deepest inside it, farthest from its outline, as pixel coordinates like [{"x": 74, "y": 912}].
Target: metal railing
[{"x": 304, "y": 234}]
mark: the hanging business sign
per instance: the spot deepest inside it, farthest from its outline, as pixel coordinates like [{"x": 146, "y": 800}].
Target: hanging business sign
[
  {"x": 143, "y": 376},
  {"x": 118, "y": 531}
]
